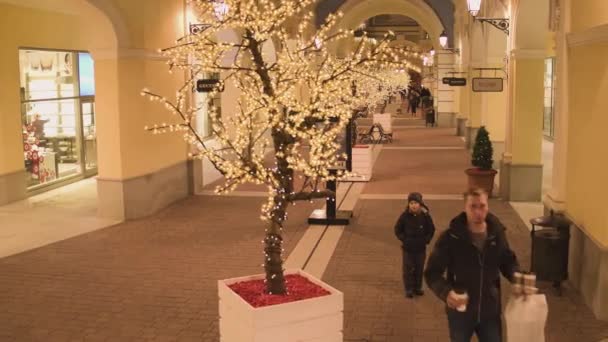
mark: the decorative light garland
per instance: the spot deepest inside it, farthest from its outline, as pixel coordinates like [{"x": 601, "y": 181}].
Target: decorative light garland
[{"x": 297, "y": 102}]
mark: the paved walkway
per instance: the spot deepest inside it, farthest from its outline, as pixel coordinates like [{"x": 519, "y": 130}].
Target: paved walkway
[
  {"x": 50, "y": 217},
  {"x": 366, "y": 266},
  {"x": 154, "y": 279}
]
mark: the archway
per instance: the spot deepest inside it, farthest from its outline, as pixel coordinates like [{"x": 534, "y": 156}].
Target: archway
[
  {"x": 357, "y": 11},
  {"x": 65, "y": 32}
]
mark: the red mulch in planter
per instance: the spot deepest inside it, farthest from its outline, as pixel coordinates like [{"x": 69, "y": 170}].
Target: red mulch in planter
[{"x": 298, "y": 288}]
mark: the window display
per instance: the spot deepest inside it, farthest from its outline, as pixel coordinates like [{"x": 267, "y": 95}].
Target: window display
[
  {"x": 90, "y": 136},
  {"x": 53, "y": 119}
]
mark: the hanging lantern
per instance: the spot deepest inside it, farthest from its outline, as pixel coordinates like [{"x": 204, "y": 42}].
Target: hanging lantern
[
  {"x": 220, "y": 9},
  {"x": 474, "y": 6},
  {"x": 443, "y": 39}
]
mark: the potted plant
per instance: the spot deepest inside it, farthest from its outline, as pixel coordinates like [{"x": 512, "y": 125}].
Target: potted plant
[
  {"x": 295, "y": 98},
  {"x": 482, "y": 174}
]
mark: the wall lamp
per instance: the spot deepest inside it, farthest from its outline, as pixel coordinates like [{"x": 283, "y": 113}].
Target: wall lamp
[
  {"x": 500, "y": 23},
  {"x": 198, "y": 28},
  {"x": 443, "y": 41},
  {"x": 220, "y": 9}
]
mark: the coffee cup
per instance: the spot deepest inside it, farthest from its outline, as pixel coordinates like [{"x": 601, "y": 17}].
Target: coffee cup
[
  {"x": 530, "y": 280},
  {"x": 518, "y": 278},
  {"x": 462, "y": 295},
  {"x": 530, "y": 290},
  {"x": 517, "y": 289}
]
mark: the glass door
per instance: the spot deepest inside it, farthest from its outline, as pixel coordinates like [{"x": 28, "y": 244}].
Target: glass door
[{"x": 89, "y": 134}]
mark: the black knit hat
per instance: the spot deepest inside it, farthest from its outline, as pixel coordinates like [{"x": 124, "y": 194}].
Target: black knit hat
[{"x": 416, "y": 197}]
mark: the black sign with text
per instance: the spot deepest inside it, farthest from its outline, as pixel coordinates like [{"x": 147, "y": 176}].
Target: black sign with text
[
  {"x": 207, "y": 86},
  {"x": 457, "y": 81}
]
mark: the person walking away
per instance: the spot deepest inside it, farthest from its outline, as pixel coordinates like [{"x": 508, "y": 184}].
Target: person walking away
[
  {"x": 474, "y": 251},
  {"x": 414, "y": 229}
]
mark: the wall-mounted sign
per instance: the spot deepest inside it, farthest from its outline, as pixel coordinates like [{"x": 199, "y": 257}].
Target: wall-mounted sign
[
  {"x": 207, "y": 86},
  {"x": 486, "y": 84},
  {"x": 446, "y": 80},
  {"x": 457, "y": 81}
]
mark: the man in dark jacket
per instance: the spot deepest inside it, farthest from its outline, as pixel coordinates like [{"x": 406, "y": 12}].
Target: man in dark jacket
[
  {"x": 474, "y": 251},
  {"x": 415, "y": 230}
]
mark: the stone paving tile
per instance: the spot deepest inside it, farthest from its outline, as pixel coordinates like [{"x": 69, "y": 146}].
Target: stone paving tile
[
  {"x": 152, "y": 279},
  {"x": 426, "y": 171},
  {"x": 425, "y": 137},
  {"x": 366, "y": 266},
  {"x": 419, "y": 136}
]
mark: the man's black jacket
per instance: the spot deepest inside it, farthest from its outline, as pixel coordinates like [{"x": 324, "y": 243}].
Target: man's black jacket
[
  {"x": 468, "y": 268},
  {"x": 415, "y": 230}
]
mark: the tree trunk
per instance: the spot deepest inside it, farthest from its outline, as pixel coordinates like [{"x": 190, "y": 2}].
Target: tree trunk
[
  {"x": 273, "y": 249},
  {"x": 273, "y": 243}
]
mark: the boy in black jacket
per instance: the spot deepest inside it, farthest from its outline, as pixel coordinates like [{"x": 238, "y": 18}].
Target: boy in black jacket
[{"x": 415, "y": 230}]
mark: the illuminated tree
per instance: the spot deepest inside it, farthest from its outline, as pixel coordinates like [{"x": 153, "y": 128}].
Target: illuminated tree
[
  {"x": 384, "y": 84},
  {"x": 296, "y": 102}
]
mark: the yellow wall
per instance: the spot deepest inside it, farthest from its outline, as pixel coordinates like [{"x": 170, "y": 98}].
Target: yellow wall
[
  {"x": 475, "y": 108},
  {"x": 587, "y": 184},
  {"x": 21, "y": 27},
  {"x": 527, "y": 110},
  {"x": 588, "y": 13},
  {"x": 126, "y": 150},
  {"x": 495, "y": 108}
]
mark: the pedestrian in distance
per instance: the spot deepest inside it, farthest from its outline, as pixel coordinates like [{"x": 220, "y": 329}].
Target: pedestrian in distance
[{"x": 414, "y": 229}]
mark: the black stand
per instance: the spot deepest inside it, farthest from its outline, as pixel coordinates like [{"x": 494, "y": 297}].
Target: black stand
[{"x": 331, "y": 216}]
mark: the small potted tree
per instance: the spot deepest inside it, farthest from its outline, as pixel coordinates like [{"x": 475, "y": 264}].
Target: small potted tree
[{"x": 481, "y": 175}]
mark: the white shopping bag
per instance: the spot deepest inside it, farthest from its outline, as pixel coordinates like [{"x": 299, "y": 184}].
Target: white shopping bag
[{"x": 526, "y": 319}]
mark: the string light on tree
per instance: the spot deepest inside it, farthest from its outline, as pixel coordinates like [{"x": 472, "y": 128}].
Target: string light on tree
[{"x": 296, "y": 102}]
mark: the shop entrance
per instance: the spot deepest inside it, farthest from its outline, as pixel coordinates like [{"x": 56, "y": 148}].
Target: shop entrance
[{"x": 58, "y": 117}]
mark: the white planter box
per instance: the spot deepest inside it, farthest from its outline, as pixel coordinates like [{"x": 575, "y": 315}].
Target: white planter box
[
  {"x": 362, "y": 163},
  {"x": 385, "y": 120},
  {"x": 312, "y": 320}
]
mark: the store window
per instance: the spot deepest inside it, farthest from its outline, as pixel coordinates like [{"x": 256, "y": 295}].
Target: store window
[
  {"x": 57, "y": 91},
  {"x": 549, "y": 98}
]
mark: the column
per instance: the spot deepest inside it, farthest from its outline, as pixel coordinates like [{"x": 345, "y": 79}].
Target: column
[
  {"x": 494, "y": 104},
  {"x": 477, "y": 60},
  {"x": 461, "y": 25},
  {"x": 139, "y": 172},
  {"x": 446, "y": 111},
  {"x": 555, "y": 198},
  {"x": 521, "y": 169},
  {"x": 12, "y": 170},
  {"x": 521, "y": 166}
]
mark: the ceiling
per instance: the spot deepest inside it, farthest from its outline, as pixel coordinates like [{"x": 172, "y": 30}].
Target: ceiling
[
  {"x": 444, "y": 9},
  {"x": 404, "y": 27}
]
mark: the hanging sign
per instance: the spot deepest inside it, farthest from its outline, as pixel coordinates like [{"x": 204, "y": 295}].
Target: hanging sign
[
  {"x": 457, "y": 81},
  {"x": 208, "y": 85},
  {"x": 446, "y": 80},
  {"x": 487, "y": 84}
]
